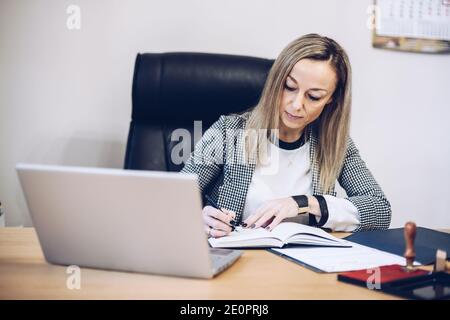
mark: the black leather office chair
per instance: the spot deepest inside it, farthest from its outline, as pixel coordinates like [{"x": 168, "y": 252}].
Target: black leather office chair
[{"x": 172, "y": 90}]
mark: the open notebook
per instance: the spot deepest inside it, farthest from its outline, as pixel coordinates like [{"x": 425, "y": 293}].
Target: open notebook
[{"x": 284, "y": 233}]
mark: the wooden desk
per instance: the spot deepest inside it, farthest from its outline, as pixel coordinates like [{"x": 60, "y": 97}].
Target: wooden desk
[{"x": 258, "y": 274}]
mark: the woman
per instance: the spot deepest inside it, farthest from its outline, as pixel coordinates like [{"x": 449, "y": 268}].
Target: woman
[{"x": 280, "y": 161}]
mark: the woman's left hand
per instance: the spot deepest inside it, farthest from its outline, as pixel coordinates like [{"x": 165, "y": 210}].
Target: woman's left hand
[{"x": 272, "y": 212}]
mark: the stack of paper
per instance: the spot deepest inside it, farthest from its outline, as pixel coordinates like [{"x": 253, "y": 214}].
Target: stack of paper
[{"x": 356, "y": 257}]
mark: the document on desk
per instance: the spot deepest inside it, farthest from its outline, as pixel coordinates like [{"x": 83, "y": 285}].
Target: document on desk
[{"x": 327, "y": 259}]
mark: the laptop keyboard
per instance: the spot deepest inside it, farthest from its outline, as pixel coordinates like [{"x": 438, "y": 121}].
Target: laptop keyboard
[
  {"x": 221, "y": 258},
  {"x": 216, "y": 260}
]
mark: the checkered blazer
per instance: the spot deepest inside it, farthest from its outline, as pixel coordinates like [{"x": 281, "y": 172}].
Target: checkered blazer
[{"x": 227, "y": 181}]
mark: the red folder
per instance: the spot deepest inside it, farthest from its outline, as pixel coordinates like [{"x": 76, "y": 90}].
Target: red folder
[
  {"x": 393, "y": 279},
  {"x": 387, "y": 274}
]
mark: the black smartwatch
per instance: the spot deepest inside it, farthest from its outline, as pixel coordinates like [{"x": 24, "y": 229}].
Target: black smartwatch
[{"x": 303, "y": 204}]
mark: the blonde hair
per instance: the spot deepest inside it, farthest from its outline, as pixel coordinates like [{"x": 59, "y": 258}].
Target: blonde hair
[{"x": 331, "y": 127}]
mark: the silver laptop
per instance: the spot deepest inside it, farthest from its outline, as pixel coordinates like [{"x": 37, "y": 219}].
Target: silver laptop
[{"x": 137, "y": 221}]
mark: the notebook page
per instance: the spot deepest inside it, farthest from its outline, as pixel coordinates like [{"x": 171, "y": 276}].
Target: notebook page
[
  {"x": 287, "y": 229},
  {"x": 242, "y": 236}
]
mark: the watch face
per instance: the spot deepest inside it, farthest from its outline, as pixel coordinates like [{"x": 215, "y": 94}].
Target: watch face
[{"x": 303, "y": 210}]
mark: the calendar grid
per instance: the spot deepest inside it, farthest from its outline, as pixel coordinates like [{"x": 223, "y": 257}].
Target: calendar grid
[{"x": 413, "y": 25}]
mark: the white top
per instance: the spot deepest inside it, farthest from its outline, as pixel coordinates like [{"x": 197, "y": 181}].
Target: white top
[{"x": 288, "y": 173}]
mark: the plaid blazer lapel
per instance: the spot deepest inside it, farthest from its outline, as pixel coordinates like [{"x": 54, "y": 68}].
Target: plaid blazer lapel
[
  {"x": 232, "y": 194},
  {"x": 237, "y": 178},
  {"x": 314, "y": 164}
]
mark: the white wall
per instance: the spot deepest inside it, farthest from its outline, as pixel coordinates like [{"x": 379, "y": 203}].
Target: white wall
[{"x": 65, "y": 96}]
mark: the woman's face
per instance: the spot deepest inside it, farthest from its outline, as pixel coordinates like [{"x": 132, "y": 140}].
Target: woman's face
[{"x": 307, "y": 90}]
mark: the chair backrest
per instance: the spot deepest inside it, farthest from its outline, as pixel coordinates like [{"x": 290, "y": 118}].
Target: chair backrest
[{"x": 172, "y": 90}]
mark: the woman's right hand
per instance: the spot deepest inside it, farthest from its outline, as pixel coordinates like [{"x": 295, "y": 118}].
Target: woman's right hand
[{"x": 217, "y": 223}]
